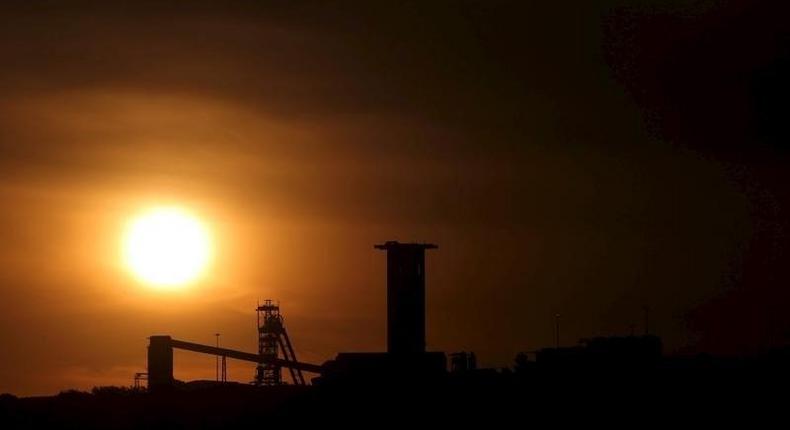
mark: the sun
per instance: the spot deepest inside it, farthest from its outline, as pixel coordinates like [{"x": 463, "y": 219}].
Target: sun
[{"x": 167, "y": 247}]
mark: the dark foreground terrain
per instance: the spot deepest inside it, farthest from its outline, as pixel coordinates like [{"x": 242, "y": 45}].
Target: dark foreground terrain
[{"x": 750, "y": 396}]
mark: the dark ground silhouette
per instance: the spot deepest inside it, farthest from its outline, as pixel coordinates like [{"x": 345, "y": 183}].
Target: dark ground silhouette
[{"x": 700, "y": 389}]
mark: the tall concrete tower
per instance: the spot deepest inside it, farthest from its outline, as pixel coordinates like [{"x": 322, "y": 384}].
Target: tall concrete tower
[
  {"x": 160, "y": 362},
  {"x": 405, "y": 296}
]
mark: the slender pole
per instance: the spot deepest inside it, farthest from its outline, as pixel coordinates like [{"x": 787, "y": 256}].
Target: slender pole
[
  {"x": 557, "y": 330},
  {"x": 217, "y": 376},
  {"x": 646, "y": 310}
]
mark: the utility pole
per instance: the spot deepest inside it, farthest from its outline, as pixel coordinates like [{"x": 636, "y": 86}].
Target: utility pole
[
  {"x": 646, "y": 310},
  {"x": 217, "y": 335},
  {"x": 557, "y": 331}
]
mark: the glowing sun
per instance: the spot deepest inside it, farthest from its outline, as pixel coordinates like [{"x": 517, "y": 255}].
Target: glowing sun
[{"x": 167, "y": 247}]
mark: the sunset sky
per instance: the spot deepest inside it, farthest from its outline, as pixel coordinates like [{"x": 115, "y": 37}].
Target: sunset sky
[{"x": 585, "y": 159}]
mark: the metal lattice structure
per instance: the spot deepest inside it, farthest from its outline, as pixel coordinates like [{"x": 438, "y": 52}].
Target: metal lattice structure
[{"x": 273, "y": 339}]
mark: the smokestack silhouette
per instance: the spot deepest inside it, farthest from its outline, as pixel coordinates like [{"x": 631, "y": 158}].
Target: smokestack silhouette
[{"x": 405, "y": 296}]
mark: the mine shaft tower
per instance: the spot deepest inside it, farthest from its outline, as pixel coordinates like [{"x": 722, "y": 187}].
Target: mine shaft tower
[
  {"x": 273, "y": 338},
  {"x": 405, "y": 296}
]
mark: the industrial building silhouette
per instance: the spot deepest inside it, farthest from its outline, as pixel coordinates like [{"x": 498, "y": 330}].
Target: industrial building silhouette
[
  {"x": 406, "y": 360},
  {"x": 405, "y": 356}
]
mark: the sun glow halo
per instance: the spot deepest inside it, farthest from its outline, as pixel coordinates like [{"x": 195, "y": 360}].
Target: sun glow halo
[{"x": 167, "y": 247}]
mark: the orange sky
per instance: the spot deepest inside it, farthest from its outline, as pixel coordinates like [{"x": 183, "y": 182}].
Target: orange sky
[{"x": 305, "y": 134}]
